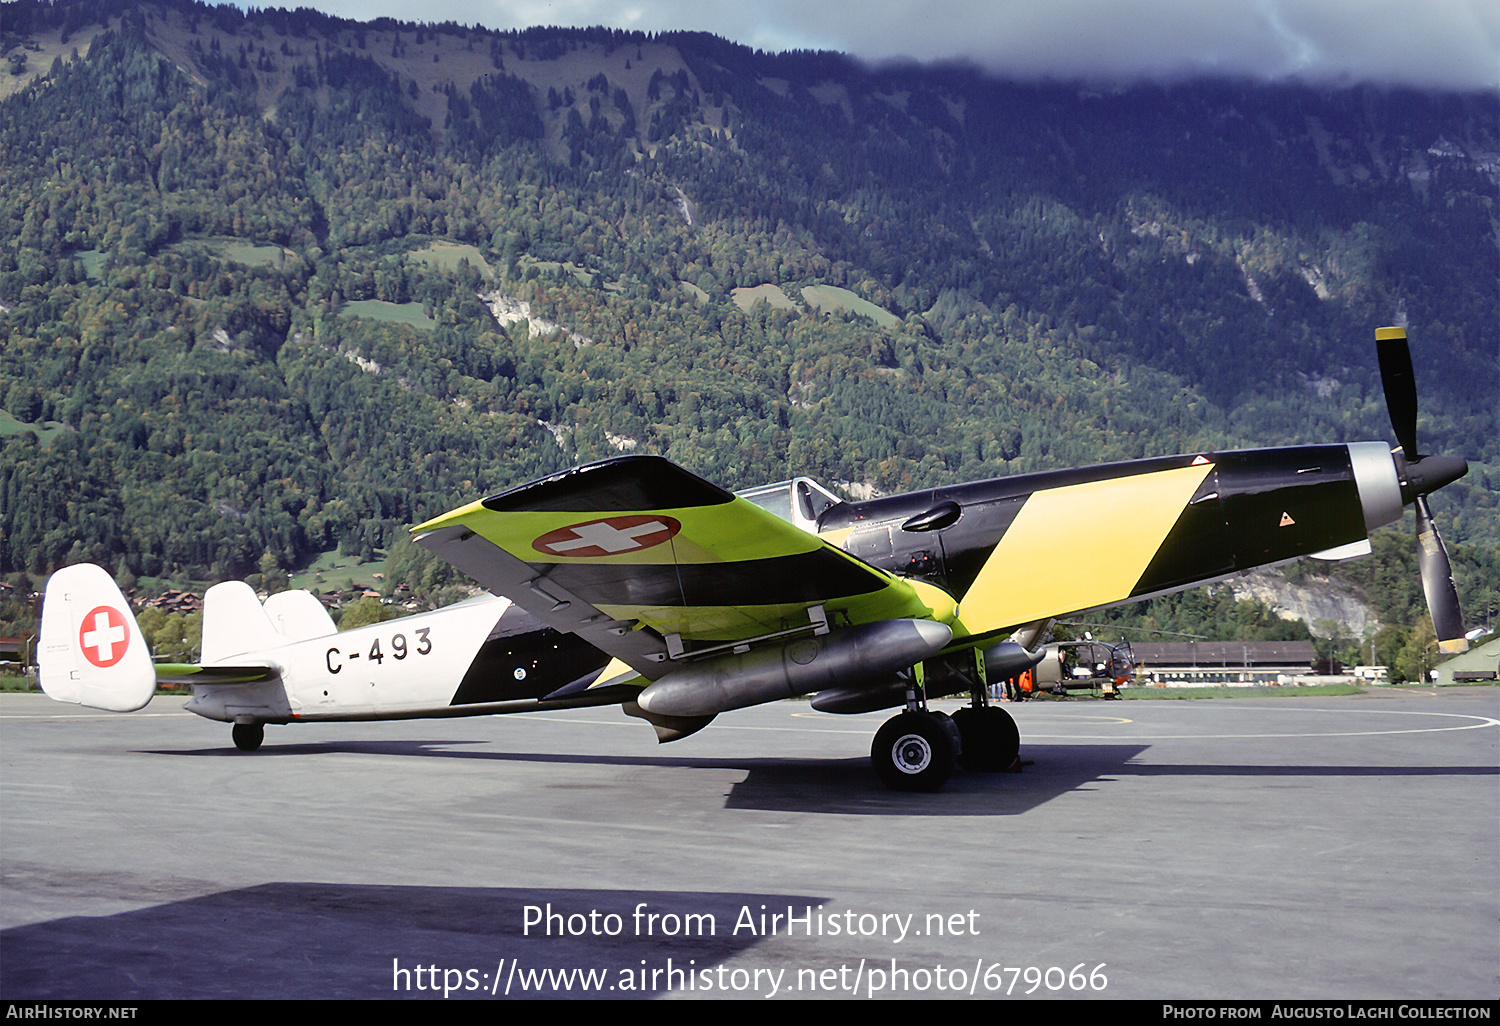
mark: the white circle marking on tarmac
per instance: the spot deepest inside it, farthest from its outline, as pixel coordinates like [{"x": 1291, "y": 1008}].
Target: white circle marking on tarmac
[{"x": 1476, "y": 722}]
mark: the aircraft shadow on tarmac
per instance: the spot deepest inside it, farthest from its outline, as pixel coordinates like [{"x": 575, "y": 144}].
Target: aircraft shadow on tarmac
[
  {"x": 841, "y": 786},
  {"x": 321, "y": 940},
  {"x": 846, "y": 786}
]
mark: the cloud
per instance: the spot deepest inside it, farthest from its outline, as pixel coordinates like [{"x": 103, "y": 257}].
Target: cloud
[{"x": 1441, "y": 43}]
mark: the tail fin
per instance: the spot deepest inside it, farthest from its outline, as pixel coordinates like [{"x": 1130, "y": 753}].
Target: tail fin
[
  {"x": 299, "y": 616},
  {"x": 92, "y": 651},
  {"x": 234, "y": 623}
]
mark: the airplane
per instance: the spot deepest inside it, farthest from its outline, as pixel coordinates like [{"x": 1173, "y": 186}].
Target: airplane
[{"x": 634, "y": 582}]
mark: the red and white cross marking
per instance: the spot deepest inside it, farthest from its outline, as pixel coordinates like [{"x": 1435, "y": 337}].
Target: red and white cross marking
[
  {"x": 104, "y": 637},
  {"x": 607, "y": 537}
]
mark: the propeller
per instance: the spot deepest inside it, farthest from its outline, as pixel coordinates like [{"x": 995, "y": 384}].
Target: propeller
[{"x": 1420, "y": 476}]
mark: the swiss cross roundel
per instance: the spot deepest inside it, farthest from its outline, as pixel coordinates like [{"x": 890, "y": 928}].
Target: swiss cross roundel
[
  {"x": 104, "y": 636},
  {"x": 611, "y": 536}
]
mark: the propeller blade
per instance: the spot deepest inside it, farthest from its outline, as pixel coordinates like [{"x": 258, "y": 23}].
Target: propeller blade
[
  {"x": 1400, "y": 387},
  {"x": 1437, "y": 583},
  {"x": 1419, "y": 477}
]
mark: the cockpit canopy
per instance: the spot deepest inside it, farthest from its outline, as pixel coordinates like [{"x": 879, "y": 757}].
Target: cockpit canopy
[{"x": 799, "y": 501}]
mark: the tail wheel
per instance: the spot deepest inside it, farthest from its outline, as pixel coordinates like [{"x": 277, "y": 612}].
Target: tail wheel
[
  {"x": 991, "y": 740},
  {"x": 914, "y": 751},
  {"x": 248, "y": 736}
]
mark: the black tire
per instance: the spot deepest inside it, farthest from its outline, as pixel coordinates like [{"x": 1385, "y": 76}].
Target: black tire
[
  {"x": 914, "y": 752},
  {"x": 991, "y": 740},
  {"x": 248, "y": 736}
]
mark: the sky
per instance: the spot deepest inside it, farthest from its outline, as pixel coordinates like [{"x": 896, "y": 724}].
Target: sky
[{"x": 1438, "y": 43}]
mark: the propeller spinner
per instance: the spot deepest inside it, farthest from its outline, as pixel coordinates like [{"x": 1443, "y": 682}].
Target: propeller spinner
[{"x": 1420, "y": 476}]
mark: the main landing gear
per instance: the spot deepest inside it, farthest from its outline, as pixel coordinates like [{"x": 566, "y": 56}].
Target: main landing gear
[
  {"x": 248, "y": 736},
  {"x": 917, "y": 750},
  {"x": 991, "y": 740}
]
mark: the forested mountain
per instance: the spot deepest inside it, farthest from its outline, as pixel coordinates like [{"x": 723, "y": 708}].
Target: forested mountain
[{"x": 274, "y": 283}]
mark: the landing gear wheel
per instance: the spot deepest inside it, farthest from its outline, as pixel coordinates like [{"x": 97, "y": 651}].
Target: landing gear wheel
[
  {"x": 991, "y": 740},
  {"x": 914, "y": 751},
  {"x": 248, "y": 736}
]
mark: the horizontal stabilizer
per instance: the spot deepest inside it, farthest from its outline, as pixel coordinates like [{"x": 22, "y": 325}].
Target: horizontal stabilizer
[{"x": 192, "y": 673}]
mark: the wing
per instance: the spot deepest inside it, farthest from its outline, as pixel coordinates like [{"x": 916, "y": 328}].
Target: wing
[{"x": 651, "y": 563}]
